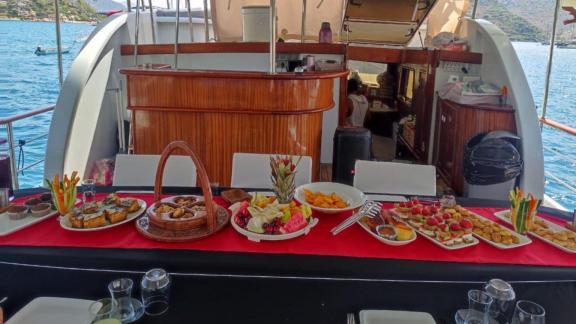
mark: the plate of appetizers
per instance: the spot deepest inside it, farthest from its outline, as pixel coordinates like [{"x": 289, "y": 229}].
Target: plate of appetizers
[
  {"x": 329, "y": 197},
  {"x": 110, "y": 212},
  {"x": 443, "y": 230},
  {"x": 547, "y": 231},
  {"x": 388, "y": 229},
  {"x": 264, "y": 219},
  {"x": 488, "y": 230}
]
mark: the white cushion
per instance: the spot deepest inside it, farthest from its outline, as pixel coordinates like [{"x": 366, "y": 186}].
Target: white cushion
[
  {"x": 395, "y": 178},
  {"x": 251, "y": 170},
  {"x": 140, "y": 170}
]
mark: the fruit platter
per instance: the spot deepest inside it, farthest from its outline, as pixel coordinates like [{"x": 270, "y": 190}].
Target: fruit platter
[
  {"x": 388, "y": 229},
  {"x": 547, "y": 231},
  {"x": 329, "y": 197},
  {"x": 446, "y": 230},
  {"x": 103, "y": 214},
  {"x": 264, "y": 219}
]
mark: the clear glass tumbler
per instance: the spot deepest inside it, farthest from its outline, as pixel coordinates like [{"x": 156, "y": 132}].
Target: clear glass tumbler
[
  {"x": 504, "y": 300},
  {"x": 155, "y": 289},
  {"x": 479, "y": 304},
  {"x": 528, "y": 312},
  {"x": 104, "y": 311},
  {"x": 121, "y": 292},
  {"x": 88, "y": 191}
]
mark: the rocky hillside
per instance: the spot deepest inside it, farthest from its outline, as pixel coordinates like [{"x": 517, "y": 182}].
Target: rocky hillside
[
  {"x": 70, "y": 10},
  {"x": 525, "y": 20}
]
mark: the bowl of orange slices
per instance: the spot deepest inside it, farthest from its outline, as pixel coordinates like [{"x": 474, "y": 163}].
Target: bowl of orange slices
[{"x": 329, "y": 197}]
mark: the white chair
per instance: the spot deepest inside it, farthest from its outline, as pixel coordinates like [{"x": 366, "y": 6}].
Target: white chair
[
  {"x": 250, "y": 170},
  {"x": 140, "y": 170},
  {"x": 395, "y": 178}
]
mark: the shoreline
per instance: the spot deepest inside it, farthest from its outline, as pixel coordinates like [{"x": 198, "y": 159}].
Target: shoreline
[{"x": 49, "y": 20}]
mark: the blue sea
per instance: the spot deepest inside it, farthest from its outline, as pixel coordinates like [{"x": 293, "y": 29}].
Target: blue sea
[{"x": 28, "y": 81}]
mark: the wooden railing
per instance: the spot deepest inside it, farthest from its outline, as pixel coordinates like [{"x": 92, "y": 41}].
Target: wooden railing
[{"x": 557, "y": 125}]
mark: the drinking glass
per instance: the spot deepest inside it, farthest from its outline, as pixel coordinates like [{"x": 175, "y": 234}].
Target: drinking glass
[
  {"x": 121, "y": 292},
  {"x": 104, "y": 311},
  {"x": 88, "y": 191},
  {"x": 155, "y": 289},
  {"x": 478, "y": 307},
  {"x": 528, "y": 312},
  {"x": 504, "y": 297}
]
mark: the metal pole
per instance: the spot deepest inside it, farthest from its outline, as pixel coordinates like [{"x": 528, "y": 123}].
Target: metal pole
[
  {"x": 206, "y": 25},
  {"x": 168, "y": 4},
  {"x": 190, "y": 21},
  {"x": 152, "y": 22},
  {"x": 136, "y": 32},
  {"x": 177, "y": 31},
  {"x": 303, "y": 31},
  {"x": 272, "y": 36},
  {"x": 550, "y": 59},
  {"x": 13, "y": 170},
  {"x": 129, "y": 5},
  {"x": 474, "y": 9},
  {"x": 58, "y": 41}
]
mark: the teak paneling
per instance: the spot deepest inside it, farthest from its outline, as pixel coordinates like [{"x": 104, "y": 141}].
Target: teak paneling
[
  {"x": 239, "y": 47},
  {"x": 219, "y": 116},
  {"x": 457, "y": 124}
]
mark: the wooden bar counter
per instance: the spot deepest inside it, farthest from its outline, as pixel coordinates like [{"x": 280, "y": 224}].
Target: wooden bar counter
[{"x": 223, "y": 112}]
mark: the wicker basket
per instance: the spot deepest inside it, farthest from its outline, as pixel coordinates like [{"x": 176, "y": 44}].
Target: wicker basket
[{"x": 155, "y": 227}]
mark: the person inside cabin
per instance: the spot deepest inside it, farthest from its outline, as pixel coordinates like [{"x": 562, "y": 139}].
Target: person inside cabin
[{"x": 357, "y": 104}]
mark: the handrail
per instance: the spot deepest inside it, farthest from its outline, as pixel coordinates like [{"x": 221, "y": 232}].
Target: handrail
[
  {"x": 7, "y": 121},
  {"x": 557, "y": 125},
  {"x": 13, "y": 118}
]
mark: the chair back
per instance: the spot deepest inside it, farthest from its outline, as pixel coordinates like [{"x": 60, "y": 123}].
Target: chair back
[
  {"x": 140, "y": 170},
  {"x": 395, "y": 178},
  {"x": 252, "y": 170}
]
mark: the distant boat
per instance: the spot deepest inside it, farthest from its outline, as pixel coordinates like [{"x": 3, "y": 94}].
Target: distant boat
[
  {"x": 568, "y": 45},
  {"x": 40, "y": 50}
]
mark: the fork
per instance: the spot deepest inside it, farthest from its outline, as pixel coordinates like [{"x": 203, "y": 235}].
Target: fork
[{"x": 370, "y": 209}]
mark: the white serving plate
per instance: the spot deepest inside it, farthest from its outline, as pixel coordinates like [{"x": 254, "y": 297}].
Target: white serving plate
[
  {"x": 9, "y": 226},
  {"x": 53, "y": 310},
  {"x": 385, "y": 240},
  {"x": 475, "y": 241},
  {"x": 354, "y": 197},
  {"x": 502, "y": 215},
  {"x": 522, "y": 239},
  {"x": 394, "y": 317},
  {"x": 256, "y": 237},
  {"x": 65, "y": 223}
]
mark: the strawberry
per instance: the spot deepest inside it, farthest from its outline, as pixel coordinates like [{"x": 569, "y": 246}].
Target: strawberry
[
  {"x": 426, "y": 211},
  {"x": 402, "y": 205},
  {"x": 446, "y": 216},
  {"x": 432, "y": 221},
  {"x": 443, "y": 226},
  {"x": 455, "y": 227},
  {"x": 433, "y": 209},
  {"x": 416, "y": 211},
  {"x": 466, "y": 223}
]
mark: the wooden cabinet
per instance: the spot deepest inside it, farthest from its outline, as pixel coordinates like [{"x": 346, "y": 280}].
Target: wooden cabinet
[{"x": 456, "y": 125}]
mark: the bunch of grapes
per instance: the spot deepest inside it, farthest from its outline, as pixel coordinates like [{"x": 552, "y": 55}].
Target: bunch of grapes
[
  {"x": 242, "y": 218},
  {"x": 273, "y": 227}
]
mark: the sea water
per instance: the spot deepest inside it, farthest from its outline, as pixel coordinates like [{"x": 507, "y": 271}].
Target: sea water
[{"x": 28, "y": 81}]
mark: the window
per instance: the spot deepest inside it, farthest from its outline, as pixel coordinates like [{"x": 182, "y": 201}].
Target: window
[{"x": 407, "y": 83}]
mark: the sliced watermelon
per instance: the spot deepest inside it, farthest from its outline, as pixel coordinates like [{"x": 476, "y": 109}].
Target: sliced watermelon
[{"x": 296, "y": 223}]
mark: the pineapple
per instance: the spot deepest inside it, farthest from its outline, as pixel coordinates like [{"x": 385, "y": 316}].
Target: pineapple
[{"x": 283, "y": 177}]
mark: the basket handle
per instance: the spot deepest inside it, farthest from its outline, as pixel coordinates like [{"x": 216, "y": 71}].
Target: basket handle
[{"x": 200, "y": 172}]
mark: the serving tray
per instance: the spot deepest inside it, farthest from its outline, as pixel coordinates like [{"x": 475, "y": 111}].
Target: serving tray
[
  {"x": 522, "y": 239},
  {"x": 65, "y": 223},
  {"x": 503, "y": 215},
  {"x": 9, "y": 226}
]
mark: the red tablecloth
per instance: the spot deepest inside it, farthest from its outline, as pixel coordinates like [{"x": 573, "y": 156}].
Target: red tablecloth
[{"x": 354, "y": 242}]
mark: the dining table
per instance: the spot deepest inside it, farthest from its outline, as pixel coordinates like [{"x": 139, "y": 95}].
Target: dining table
[{"x": 314, "y": 278}]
